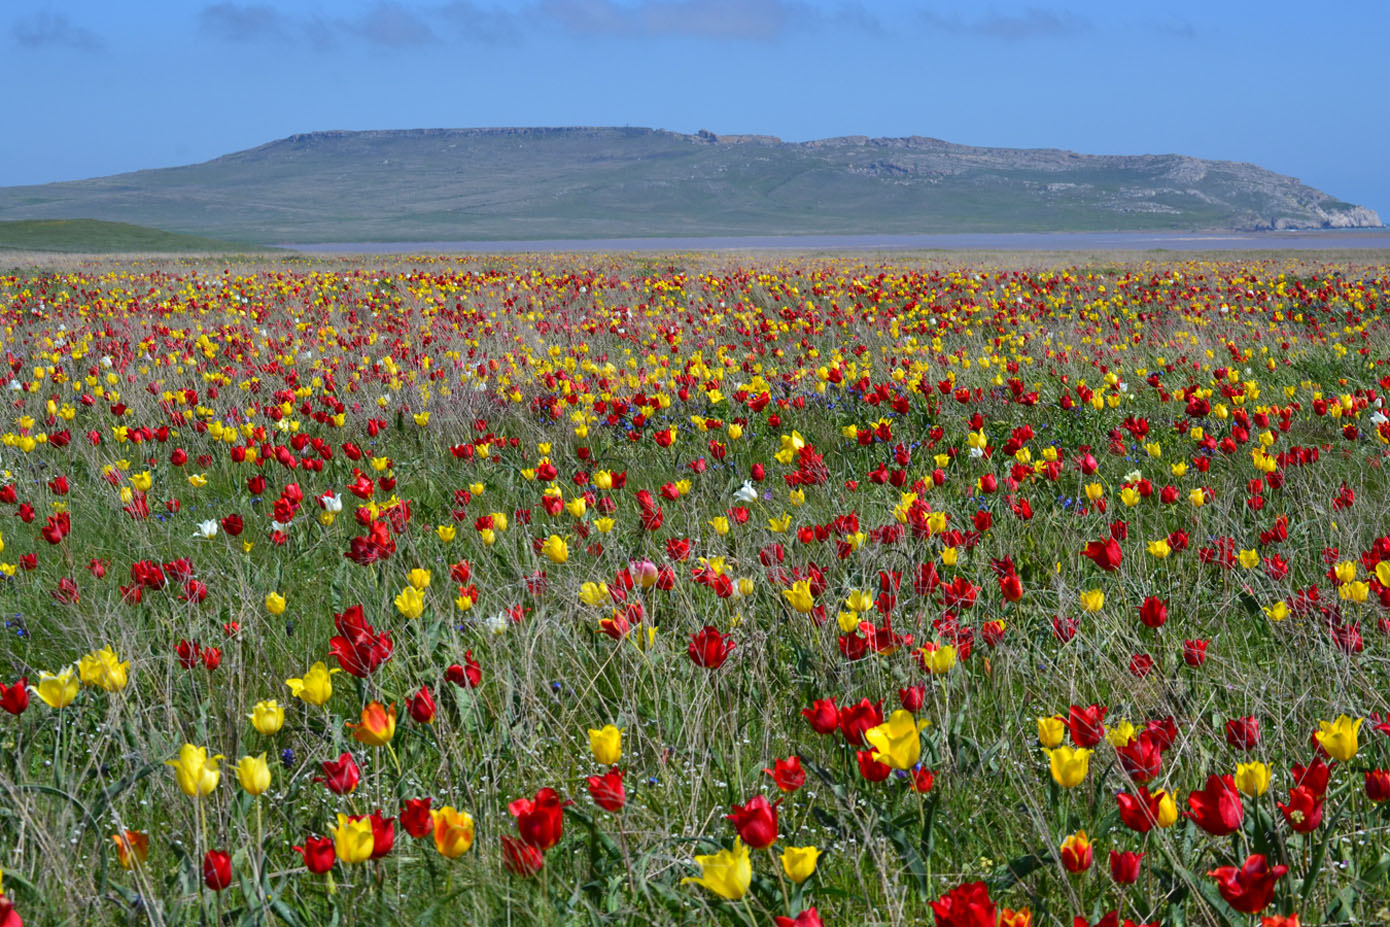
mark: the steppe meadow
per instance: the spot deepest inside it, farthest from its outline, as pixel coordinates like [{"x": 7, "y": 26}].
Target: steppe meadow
[{"x": 681, "y": 589}]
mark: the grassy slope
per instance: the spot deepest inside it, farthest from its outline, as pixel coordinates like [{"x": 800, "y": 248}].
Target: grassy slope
[
  {"x": 97, "y": 236},
  {"x": 611, "y": 183}
]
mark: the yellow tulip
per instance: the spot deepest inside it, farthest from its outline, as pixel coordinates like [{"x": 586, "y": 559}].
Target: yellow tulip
[
  {"x": 726, "y": 873},
  {"x": 275, "y": 603},
  {"x": 420, "y": 579},
  {"x": 799, "y": 863},
  {"x": 57, "y": 691},
  {"x": 938, "y": 660},
  {"x": 606, "y": 744},
  {"x": 1120, "y": 735},
  {"x": 555, "y": 549},
  {"x": 1069, "y": 765},
  {"x": 1051, "y": 731},
  {"x": 1093, "y": 600},
  {"x": 1249, "y": 559},
  {"x": 1252, "y": 778},
  {"x": 353, "y": 840},
  {"x": 897, "y": 742},
  {"x": 141, "y": 482},
  {"x": 268, "y": 717},
  {"x": 604, "y": 525},
  {"x": 446, "y": 533},
  {"x": 102, "y": 668},
  {"x": 1167, "y": 809},
  {"x": 197, "y": 480},
  {"x": 254, "y": 774},
  {"x": 195, "y": 772},
  {"x": 859, "y": 601},
  {"x": 1159, "y": 548},
  {"x": 1338, "y": 737},
  {"x": 453, "y": 832},
  {"x": 410, "y": 603},
  {"x": 1354, "y": 591},
  {"x": 799, "y": 596},
  {"x": 316, "y": 687},
  {"x": 779, "y": 525}
]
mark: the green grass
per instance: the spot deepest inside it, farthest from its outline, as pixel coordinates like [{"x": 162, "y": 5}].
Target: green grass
[{"x": 96, "y": 236}]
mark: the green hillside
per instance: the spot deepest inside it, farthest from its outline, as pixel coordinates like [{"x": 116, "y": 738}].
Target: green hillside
[
  {"x": 98, "y": 236},
  {"x": 479, "y": 184}
]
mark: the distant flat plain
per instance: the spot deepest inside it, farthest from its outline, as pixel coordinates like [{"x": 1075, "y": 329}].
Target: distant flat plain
[{"x": 1314, "y": 240}]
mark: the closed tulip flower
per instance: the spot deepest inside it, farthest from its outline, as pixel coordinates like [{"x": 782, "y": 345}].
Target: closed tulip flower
[
  {"x": 319, "y": 854},
  {"x": 606, "y": 743},
  {"x": 195, "y": 772},
  {"x": 352, "y": 839},
  {"x": 1077, "y": 852},
  {"x": 254, "y": 774},
  {"x": 316, "y": 687},
  {"x": 1069, "y": 765},
  {"x": 453, "y": 832},
  {"x": 727, "y": 873},
  {"x": 275, "y": 603},
  {"x": 377, "y": 727},
  {"x": 1052, "y": 731},
  {"x": 799, "y": 863},
  {"x": 555, "y": 549},
  {"x": 268, "y": 717},
  {"x": 340, "y": 776},
  {"x": 1252, "y": 778},
  {"x": 410, "y": 602}
]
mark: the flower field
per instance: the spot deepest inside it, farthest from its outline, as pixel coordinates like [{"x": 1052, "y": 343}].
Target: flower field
[{"x": 625, "y": 591}]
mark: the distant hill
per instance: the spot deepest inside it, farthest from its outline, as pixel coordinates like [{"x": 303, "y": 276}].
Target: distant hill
[
  {"x": 538, "y": 183},
  {"x": 96, "y": 236}
]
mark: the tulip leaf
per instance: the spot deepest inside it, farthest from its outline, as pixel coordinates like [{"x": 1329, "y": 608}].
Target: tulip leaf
[{"x": 1016, "y": 870}]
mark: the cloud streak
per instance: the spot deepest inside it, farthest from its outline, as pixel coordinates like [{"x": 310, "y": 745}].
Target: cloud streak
[
  {"x": 1033, "y": 22},
  {"x": 393, "y": 24},
  {"x": 54, "y": 30}
]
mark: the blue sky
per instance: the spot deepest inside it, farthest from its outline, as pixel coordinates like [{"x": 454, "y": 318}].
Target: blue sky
[{"x": 94, "y": 88}]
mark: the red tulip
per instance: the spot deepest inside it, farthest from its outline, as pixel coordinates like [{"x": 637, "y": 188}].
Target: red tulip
[
  {"x": 1303, "y": 813},
  {"x": 1153, "y": 612},
  {"x": 823, "y": 716},
  {"x": 1105, "y": 554},
  {"x": 967, "y": 905},
  {"x": 709, "y": 648},
  {"x": 217, "y": 870},
  {"x": 787, "y": 773},
  {"x": 540, "y": 820},
  {"x": 1377, "y": 785},
  {"x": 340, "y": 775},
  {"x": 1086, "y": 725},
  {"x": 858, "y": 718},
  {"x": 1124, "y": 867},
  {"x": 1141, "y": 758},
  {"x": 318, "y": 854},
  {"x": 416, "y": 819},
  {"x": 1249, "y": 888},
  {"x": 1217, "y": 809},
  {"x": 15, "y": 698},
  {"x": 1243, "y": 733},
  {"x": 756, "y": 822},
  {"x": 383, "y": 834},
  {"x": 519, "y": 858},
  {"x": 807, "y": 918},
  {"x": 1194, "y": 653},
  {"x": 421, "y": 706},
  {"x": 607, "y": 790},
  {"x": 871, "y": 769}
]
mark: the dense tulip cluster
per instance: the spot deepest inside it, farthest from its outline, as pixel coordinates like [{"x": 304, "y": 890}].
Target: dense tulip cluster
[{"x": 822, "y": 592}]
